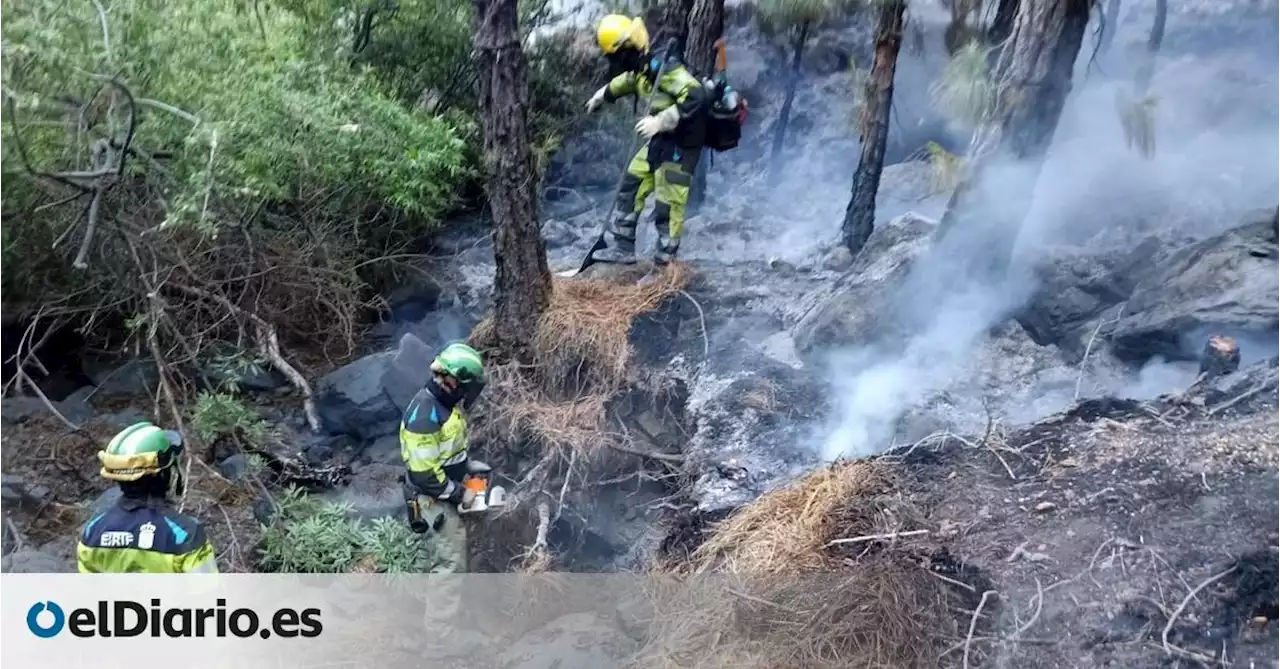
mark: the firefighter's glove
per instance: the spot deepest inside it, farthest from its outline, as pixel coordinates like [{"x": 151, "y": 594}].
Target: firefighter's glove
[
  {"x": 664, "y": 121},
  {"x": 596, "y": 100}
]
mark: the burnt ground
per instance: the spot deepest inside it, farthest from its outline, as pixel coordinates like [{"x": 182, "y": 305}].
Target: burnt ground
[{"x": 1094, "y": 526}]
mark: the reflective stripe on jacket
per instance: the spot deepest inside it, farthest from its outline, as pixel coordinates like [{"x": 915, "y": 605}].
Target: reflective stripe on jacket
[
  {"x": 144, "y": 536},
  {"x": 676, "y": 87},
  {"x": 432, "y": 437}
]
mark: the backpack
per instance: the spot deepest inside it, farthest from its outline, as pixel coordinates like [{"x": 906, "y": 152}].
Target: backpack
[{"x": 725, "y": 116}]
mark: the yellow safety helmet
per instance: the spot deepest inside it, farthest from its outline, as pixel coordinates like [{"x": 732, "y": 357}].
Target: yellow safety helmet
[{"x": 616, "y": 31}]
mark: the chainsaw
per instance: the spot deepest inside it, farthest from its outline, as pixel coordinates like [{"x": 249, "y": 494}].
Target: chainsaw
[{"x": 487, "y": 497}]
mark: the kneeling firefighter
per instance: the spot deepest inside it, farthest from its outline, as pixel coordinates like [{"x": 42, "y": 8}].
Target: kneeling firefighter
[
  {"x": 142, "y": 533},
  {"x": 434, "y": 443},
  {"x": 673, "y": 133}
]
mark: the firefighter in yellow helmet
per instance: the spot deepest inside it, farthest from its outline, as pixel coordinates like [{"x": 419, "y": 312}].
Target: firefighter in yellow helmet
[
  {"x": 142, "y": 533},
  {"x": 673, "y": 133}
]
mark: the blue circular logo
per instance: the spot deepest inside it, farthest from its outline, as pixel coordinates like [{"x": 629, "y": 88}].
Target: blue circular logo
[{"x": 43, "y": 631}]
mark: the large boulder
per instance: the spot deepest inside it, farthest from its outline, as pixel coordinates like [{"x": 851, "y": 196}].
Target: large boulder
[
  {"x": 849, "y": 310},
  {"x": 1226, "y": 283},
  {"x": 365, "y": 398}
]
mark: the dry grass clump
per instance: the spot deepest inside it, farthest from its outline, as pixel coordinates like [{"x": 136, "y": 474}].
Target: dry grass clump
[
  {"x": 581, "y": 354},
  {"x": 787, "y": 530},
  {"x": 767, "y": 591},
  {"x": 582, "y": 343}
]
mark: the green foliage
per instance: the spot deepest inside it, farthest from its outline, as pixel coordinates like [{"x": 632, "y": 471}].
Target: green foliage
[
  {"x": 1138, "y": 121},
  {"x": 777, "y": 16},
  {"x": 220, "y": 415},
  {"x": 947, "y": 168},
  {"x": 248, "y": 123},
  {"x": 965, "y": 91},
  {"x": 312, "y": 536}
]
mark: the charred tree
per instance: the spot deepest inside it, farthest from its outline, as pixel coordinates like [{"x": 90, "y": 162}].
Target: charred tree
[
  {"x": 1154, "y": 40},
  {"x": 1002, "y": 25},
  {"x": 1033, "y": 80},
  {"x": 706, "y": 23},
  {"x": 667, "y": 20},
  {"x": 1110, "y": 23},
  {"x": 522, "y": 283},
  {"x": 860, "y": 216},
  {"x": 784, "y": 116}
]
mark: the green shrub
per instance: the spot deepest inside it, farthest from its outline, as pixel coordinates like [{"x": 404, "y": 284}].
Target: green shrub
[
  {"x": 312, "y": 536},
  {"x": 219, "y": 415}
]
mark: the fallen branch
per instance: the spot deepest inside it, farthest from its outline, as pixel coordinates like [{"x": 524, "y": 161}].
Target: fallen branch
[
  {"x": 1089, "y": 347},
  {"x": 1237, "y": 399},
  {"x": 702, "y": 320},
  {"x": 973, "y": 624},
  {"x": 654, "y": 455},
  {"x": 536, "y": 558},
  {"x": 1168, "y": 626},
  {"x": 22, "y": 374},
  {"x": 875, "y": 537}
]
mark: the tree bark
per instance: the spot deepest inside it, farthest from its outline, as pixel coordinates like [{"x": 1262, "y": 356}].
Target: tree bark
[
  {"x": 780, "y": 131},
  {"x": 522, "y": 283},
  {"x": 860, "y": 215},
  {"x": 1147, "y": 69},
  {"x": 667, "y": 20},
  {"x": 705, "y": 25},
  {"x": 1110, "y": 24},
  {"x": 1002, "y": 24},
  {"x": 1035, "y": 78}
]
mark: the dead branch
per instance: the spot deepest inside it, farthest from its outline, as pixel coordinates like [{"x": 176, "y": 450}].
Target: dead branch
[
  {"x": 43, "y": 398},
  {"x": 702, "y": 320},
  {"x": 268, "y": 344},
  {"x": 537, "y": 559},
  {"x": 1168, "y": 626},
  {"x": 653, "y": 455},
  {"x": 876, "y": 537},
  {"x": 1039, "y": 600},
  {"x": 1237, "y": 399},
  {"x": 973, "y": 623},
  {"x": 1089, "y": 347}
]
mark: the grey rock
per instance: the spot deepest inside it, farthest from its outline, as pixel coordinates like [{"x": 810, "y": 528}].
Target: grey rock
[
  {"x": 366, "y": 398},
  {"x": 33, "y": 561},
  {"x": 383, "y": 451},
  {"x": 77, "y": 407},
  {"x": 134, "y": 377},
  {"x": 558, "y": 233},
  {"x": 235, "y": 468},
  {"x": 18, "y": 410},
  {"x": 1222, "y": 285},
  {"x": 412, "y": 300},
  {"x": 125, "y": 418},
  {"x": 12, "y": 487},
  {"x": 850, "y": 310},
  {"x": 838, "y": 259}
]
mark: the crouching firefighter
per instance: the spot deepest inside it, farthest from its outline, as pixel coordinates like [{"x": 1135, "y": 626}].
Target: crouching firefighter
[
  {"x": 142, "y": 533},
  {"x": 673, "y": 133},
  {"x": 434, "y": 442}
]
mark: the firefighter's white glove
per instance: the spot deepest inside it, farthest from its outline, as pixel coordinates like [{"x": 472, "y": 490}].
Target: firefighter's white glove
[
  {"x": 596, "y": 100},
  {"x": 664, "y": 121}
]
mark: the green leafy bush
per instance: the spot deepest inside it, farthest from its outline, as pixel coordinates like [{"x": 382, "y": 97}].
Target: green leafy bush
[
  {"x": 220, "y": 415},
  {"x": 312, "y": 536}
]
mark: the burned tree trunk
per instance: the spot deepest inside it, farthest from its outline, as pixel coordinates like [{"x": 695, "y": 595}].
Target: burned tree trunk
[
  {"x": 1002, "y": 25},
  {"x": 706, "y": 22},
  {"x": 667, "y": 20},
  {"x": 522, "y": 284},
  {"x": 1034, "y": 79},
  {"x": 780, "y": 131},
  {"x": 1221, "y": 356},
  {"x": 1148, "y": 67},
  {"x": 860, "y": 216},
  {"x": 1110, "y": 23}
]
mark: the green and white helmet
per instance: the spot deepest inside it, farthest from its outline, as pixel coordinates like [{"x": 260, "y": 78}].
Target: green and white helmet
[
  {"x": 464, "y": 364},
  {"x": 461, "y": 362},
  {"x": 142, "y": 449}
]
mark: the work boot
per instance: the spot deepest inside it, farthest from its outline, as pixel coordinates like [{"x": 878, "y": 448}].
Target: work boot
[
  {"x": 622, "y": 240},
  {"x": 666, "y": 249}
]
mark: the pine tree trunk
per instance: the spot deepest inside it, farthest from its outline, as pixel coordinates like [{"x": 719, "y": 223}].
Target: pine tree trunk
[
  {"x": 522, "y": 285},
  {"x": 860, "y": 216},
  {"x": 1046, "y": 40},
  {"x": 1002, "y": 24},
  {"x": 1147, "y": 69},
  {"x": 1110, "y": 24},
  {"x": 706, "y": 23},
  {"x": 780, "y": 131},
  {"x": 666, "y": 21}
]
